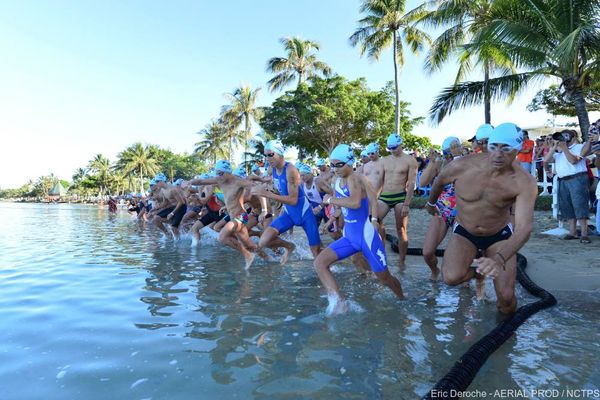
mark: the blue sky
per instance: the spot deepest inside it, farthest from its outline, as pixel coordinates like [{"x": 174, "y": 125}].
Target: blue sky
[{"x": 85, "y": 77}]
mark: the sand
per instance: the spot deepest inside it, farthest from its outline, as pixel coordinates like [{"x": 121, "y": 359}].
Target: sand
[{"x": 553, "y": 263}]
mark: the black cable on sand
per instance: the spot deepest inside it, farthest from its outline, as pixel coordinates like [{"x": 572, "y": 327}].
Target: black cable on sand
[{"x": 464, "y": 370}]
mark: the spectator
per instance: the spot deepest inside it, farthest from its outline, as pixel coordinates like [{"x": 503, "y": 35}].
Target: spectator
[
  {"x": 525, "y": 155},
  {"x": 573, "y": 191}
]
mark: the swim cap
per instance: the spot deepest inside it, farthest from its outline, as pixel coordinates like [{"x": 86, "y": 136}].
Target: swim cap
[
  {"x": 160, "y": 177},
  {"x": 448, "y": 142},
  {"x": 275, "y": 146},
  {"x": 394, "y": 140},
  {"x": 223, "y": 166},
  {"x": 484, "y": 132},
  {"x": 321, "y": 162},
  {"x": 255, "y": 168},
  {"x": 152, "y": 182},
  {"x": 507, "y": 133},
  {"x": 304, "y": 169},
  {"x": 372, "y": 148},
  {"x": 364, "y": 153},
  {"x": 178, "y": 182},
  {"x": 344, "y": 153},
  {"x": 240, "y": 171},
  {"x": 204, "y": 176}
]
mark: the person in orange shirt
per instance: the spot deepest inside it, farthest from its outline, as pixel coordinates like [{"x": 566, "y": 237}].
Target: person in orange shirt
[{"x": 525, "y": 156}]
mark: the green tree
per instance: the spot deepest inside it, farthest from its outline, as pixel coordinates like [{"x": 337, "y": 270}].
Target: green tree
[
  {"x": 300, "y": 63},
  {"x": 463, "y": 20},
  {"x": 241, "y": 111},
  {"x": 330, "y": 111},
  {"x": 554, "y": 102},
  {"x": 385, "y": 24},
  {"x": 179, "y": 165},
  {"x": 100, "y": 166},
  {"x": 545, "y": 38},
  {"x": 137, "y": 160},
  {"x": 215, "y": 143}
]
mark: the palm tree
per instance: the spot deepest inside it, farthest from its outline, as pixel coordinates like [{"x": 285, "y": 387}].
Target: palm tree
[
  {"x": 545, "y": 38},
  {"x": 100, "y": 166},
  {"x": 241, "y": 111},
  {"x": 300, "y": 63},
  {"x": 464, "y": 19},
  {"x": 387, "y": 24},
  {"x": 138, "y": 160},
  {"x": 216, "y": 142}
]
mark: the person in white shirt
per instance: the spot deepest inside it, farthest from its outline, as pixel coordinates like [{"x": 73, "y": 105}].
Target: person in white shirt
[{"x": 573, "y": 186}]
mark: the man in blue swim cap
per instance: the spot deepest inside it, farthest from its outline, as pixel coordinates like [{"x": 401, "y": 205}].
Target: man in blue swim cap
[
  {"x": 399, "y": 177},
  {"x": 171, "y": 207},
  {"x": 354, "y": 194},
  {"x": 486, "y": 186}
]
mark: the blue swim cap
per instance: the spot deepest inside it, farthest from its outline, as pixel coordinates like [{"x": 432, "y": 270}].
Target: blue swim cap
[
  {"x": 241, "y": 172},
  {"x": 507, "y": 133},
  {"x": 223, "y": 166},
  {"x": 364, "y": 153},
  {"x": 204, "y": 176},
  {"x": 275, "y": 146},
  {"x": 178, "y": 182},
  {"x": 344, "y": 153},
  {"x": 448, "y": 142},
  {"x": 394, "y": 140},
  {"x": 321, "y": 162},
  {"x": 372, "y": 148},
  {"x": 304, "y": 169},
  {"x": 152, "y": 182},
  {"x": 160, "y": 177},
  {"x": 484, "y": 132},
  {"x": 255, "y": 168}
]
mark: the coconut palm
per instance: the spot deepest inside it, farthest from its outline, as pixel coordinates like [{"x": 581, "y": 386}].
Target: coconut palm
[
  {"x": 464, "y": 19},
  {"x": 242, "y": 111},
  {"x": 217, "y": 141},
  {"x": 100, "y": 166},
  {"x": 545, "y": 38},
  {"x": 386, "y": 24},
  {"x": 300, "y": 63},
  {"x": 138, "y": 160}
]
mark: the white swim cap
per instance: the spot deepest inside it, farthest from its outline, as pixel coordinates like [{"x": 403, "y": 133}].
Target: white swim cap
[
  {"x": 275, "y": 146},
  {"x": 344, "y": 153},
  {"x": 484, "y": 132},
  {"x": 507, "y": 133},
  {"x": 394, "y": 140},
  {"x": 223, "y": 166}
]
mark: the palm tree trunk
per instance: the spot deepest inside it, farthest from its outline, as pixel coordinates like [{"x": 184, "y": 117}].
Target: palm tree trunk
[
  {"x": 397, "y": 82},
  {"x": 246, "y": 133},
  {"x": 299, "y": 79},
  {"x": 486, "y": 93},
  {"x": 581, "y": 111},
  {"x": 141, "y": 180}
]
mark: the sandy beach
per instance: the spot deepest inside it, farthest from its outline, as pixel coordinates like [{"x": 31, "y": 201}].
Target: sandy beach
[{"x": 553, "y": 263}]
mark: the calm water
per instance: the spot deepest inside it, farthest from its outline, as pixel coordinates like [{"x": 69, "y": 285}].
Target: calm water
[{"x": 94, "y": 307}]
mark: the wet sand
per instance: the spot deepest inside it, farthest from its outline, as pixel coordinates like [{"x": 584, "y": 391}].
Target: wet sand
[{"x": 554, "y": 264}]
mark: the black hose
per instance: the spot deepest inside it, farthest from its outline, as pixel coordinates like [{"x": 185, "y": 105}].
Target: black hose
[{"x": 464, "y": 370}]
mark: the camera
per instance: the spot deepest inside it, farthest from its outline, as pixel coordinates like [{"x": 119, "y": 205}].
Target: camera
[
  {"x": 594, "y": 129},
  {"x": 561, "y": 136}
]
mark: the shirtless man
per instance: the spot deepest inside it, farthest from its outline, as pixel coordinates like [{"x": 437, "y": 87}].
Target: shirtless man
[
  {"x": 173, "y": 205},
  {"x": 373, "y": 170},
  {"x": 234, "y": 233},
  {"x": 399, "y": 176},
  {"x": 364, "y": 160},
  {"x": 213, "y": 202},
  {"x": 296, "y": 208},
  {"x": 358, "y": 200},
  {"x": 486, "y": 185}
]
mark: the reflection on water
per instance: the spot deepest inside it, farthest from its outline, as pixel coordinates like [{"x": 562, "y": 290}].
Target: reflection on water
[{"x": 95, "y": 306}]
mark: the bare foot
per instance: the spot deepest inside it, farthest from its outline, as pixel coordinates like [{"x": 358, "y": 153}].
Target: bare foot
[
  {"x": 286, "y": 253},
  {"x": 435, "y": 273},
  {"x": 249, "y": 259},
  {"x": 480, "y": 287},
  {"x": 336, "y": 306}
]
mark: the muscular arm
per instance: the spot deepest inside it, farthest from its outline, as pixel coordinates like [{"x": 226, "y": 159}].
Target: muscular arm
[
  {"x": 411, "y": 179},
  {"x": 180, "y": 200},
  {"x": 524, "y": 205},
  {"x": 372, "y": 196},
  {"x": 430, "y": 171},
  {"x": 322, "y": 186},
  {"x": 202, "y": 182}
]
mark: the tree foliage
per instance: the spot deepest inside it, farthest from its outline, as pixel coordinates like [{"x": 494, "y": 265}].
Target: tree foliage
[{"x": 555, "y": 102}]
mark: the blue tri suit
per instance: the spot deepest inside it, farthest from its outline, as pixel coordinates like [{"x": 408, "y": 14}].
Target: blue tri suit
[
  {"x": 299, "y": 215},
  {"x": 359, "y": 234}
]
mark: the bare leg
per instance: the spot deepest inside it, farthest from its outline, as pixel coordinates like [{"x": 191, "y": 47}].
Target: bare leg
[
  {"x": 158, "y": 222},
  {"x": 322, "y": 265},
  {"x": 361, "y": 264},
  {"x": 384, "y": 209},
  {"x": 402, "y": 231},
  {"x": 196, "y": 228},
  {"x": 270, "y": 238},
  {"x": 435, "y": 234},
  {"x": 226, "y": 236},
  {"x": 390, "y": 281},
  {"x": 458, "y": 257},
  {"x": 504, "y": 283}
]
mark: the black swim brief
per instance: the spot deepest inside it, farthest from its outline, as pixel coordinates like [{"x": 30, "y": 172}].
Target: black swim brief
[{"x": 483, "y": 242}]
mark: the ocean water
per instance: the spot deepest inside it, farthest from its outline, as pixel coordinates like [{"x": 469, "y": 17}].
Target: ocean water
[{"x": 97, "y": 306}]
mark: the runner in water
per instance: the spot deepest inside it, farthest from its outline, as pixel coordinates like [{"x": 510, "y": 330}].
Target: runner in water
[{"x": 358, "y": 200}]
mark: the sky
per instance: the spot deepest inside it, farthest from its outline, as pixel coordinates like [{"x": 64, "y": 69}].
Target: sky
[{"x": 80, "y": 78}]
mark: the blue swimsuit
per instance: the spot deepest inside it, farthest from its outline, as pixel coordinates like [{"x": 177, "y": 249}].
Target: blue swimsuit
[
  {"x": 299, "y": 215},
  {"x": 359, "y": 234}
]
